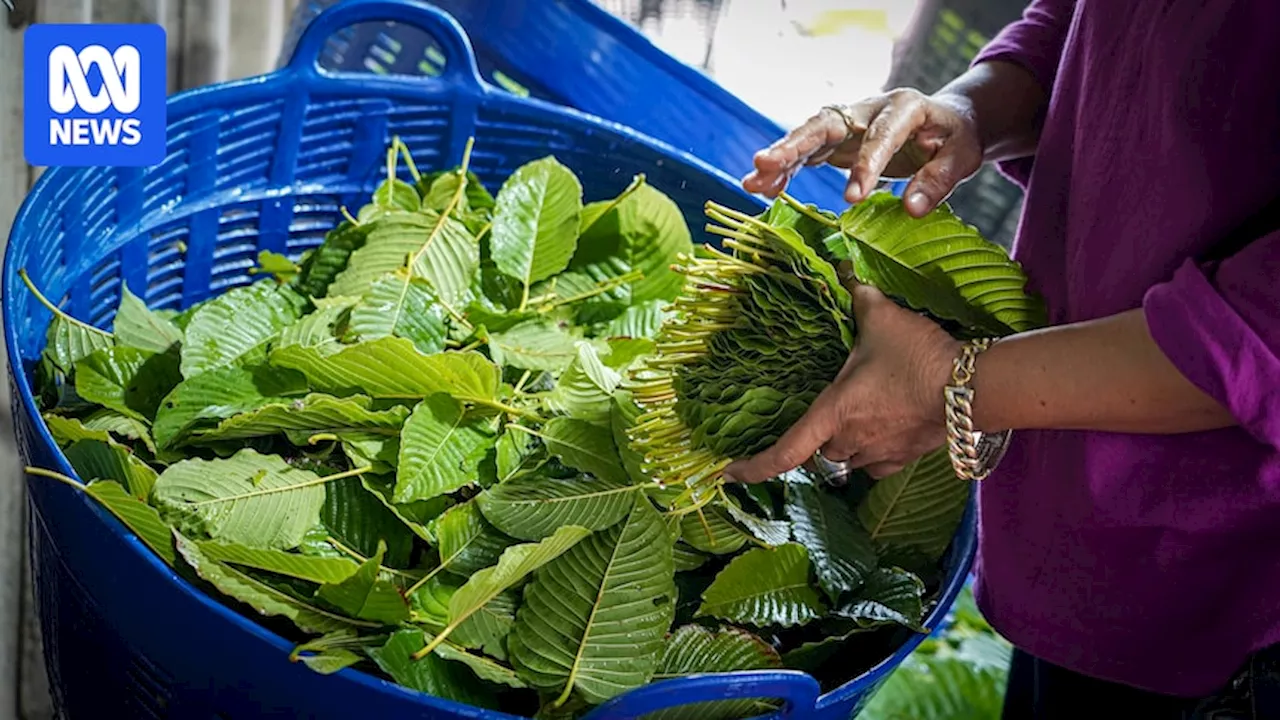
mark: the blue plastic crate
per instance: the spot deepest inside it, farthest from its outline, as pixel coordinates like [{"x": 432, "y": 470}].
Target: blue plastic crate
[
  {"x": 574, "y": 53},
  {"x": 266, "y": 164}
]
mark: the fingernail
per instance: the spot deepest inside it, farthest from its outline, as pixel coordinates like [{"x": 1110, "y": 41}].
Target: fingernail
[{"x": 918, "y": 201}]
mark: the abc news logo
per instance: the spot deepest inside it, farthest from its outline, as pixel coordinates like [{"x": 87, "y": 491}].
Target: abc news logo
[
  {"x": 94, "y": 94},
  {"x": 69, "y": 89}
]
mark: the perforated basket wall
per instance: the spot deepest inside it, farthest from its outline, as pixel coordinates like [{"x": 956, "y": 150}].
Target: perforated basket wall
[{"x": 266, "y": 164}]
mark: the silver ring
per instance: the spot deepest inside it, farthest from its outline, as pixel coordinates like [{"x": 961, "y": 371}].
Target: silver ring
[{"x": 834, "y": 472}]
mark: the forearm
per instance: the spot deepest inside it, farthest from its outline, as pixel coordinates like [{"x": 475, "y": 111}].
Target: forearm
[
  {"x": 1007, "y": 105},
  {"x": 1106, "y": 375}
]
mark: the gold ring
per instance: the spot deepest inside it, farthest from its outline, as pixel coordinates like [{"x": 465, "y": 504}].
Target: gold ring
[{"x": 851, "y": 127}]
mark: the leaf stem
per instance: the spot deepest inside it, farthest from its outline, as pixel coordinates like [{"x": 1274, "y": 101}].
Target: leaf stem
[
  {"x": 41, "y": 472},
  {"x": 636, "y": 182},
  {"x": 601, "y": 288},
  {"x": 399, "y": 145},
  {"x": 337, "y": 545},
  {"x": 270, "y": 491},
  {"x": 523, "y": 379},
  {"x": 804, "y": 210},
  {"x": 350, "y": 218},
  {"x": 509, "y": 409},
  {"x": 22, "y": 273}
]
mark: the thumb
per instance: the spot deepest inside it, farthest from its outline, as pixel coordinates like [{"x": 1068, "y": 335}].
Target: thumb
[
  {"x": 796, "y": 445},
  {"x": 865, "y": 297}
]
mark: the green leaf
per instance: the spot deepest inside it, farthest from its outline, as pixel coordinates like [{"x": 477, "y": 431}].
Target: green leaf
[
  {"x": 98, "y": 460},
  {"x": 769, "y": 532},
  {"x": 513, "y": 566},
  {"x": 432, "y": 675},
  {"x": 645, "y": 231},
  {"x": 397, "y": 306},
  {"x": 535, "y": 221},
  {"x": 319, "y": 329},
  {"x": 251, "y": 499},
  {"x": 764, "y": 587},
  {"x": 121, "y": 426},
  {"x": 918, "y": 507},
  {"x": 467, "y": 542},
  {"x": 139, "y": 517},
  {"x": 415, "y": 516},
  {"x": 366, "y": 596},
  {"x": 594, "y": 620},
  {"x": 586, "y": 447},
  {"x": 332, "y": 652},
  {"x": 937, "y": 263},
  {"x": 891, "y": 595},
  {"x": 686, "y": 558},
  {"x": 642, "y": 320},
  {"x": 937, "y": 687},
  {"x": 534, "y": 345},
  {"x": 532, "y": 506},
  {"x": 622, "y": 417},
  {"x": 392, "y": 368},
  {"x": 234, "y": 323},
  {"x": 139, "y": 327},
  {"x": 440, "y": 450},
  {"x": 585, "y": 390},
  {"x": 312, "y": 414},
  {"x": 483, "y": 667},
  {"x": 429, "y": 601},
  {"x": 711, "y": 531},
  {"x": 67, "y": 340},
  {"x": 279, "y": 267},
  {"x": 69, "y": 430},
  {"x": 489, "y": 627},
  {"x": 127, "y": 380},
  {"x": 693, "y": 649},
  {"x": 314, "y": 569},
  {"x": 263, "y": 598},
  {"x": 840, "y": 549},
  {"x": 359, "y": 519},
  {"x": 330, "y": 259},
  {"x": 396, "y": 194},
  {"x": 220, "y": 394},
  {"x": 512, "y": 452},
  {"x": 444, "y": 254}
]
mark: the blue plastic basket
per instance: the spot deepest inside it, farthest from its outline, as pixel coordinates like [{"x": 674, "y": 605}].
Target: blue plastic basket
[
  {"x": 266, "y": 164},
  {"x": 574, "y": 53}
]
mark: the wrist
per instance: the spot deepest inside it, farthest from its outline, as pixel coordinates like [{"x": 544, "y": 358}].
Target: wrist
[{"x": 973, "y": 453}]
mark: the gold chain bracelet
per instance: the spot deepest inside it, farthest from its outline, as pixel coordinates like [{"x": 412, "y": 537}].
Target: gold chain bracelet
[{"x": 973, "y": 454}]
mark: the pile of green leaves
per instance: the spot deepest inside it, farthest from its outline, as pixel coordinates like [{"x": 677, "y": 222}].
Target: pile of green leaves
[{"x": 412, "y": 452}]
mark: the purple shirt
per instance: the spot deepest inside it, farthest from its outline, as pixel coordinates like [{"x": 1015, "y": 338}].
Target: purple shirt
[{"x": 1148, "y": 560}]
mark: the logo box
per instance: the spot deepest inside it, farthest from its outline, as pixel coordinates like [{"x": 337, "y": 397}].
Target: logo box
[{"x": 94, "y": 94}]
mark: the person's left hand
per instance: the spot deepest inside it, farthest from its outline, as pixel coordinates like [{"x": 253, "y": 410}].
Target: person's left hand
[{"x": 884, "y": 409}]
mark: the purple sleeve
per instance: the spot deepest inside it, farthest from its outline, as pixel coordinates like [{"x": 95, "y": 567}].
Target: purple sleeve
[
  {"x": 1220, "y": 328},
  {"x": 1035, "y": 42}
]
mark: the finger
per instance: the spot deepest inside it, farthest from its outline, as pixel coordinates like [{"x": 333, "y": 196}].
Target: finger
[
  {"x": 936, "y": 179},
  {"x": 885, "y": 136},
  {"x": 839, "y": 448},
  {"x": 796, "y": 445},
  {"x": 822, "y": 131},
  {"x": 883, "y": 470}
]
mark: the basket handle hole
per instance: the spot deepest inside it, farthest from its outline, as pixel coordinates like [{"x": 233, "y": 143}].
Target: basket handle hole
[{"x": 384, "y": 48}]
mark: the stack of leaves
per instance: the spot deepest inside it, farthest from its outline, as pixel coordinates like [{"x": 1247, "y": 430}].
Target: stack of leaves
[{"x": 411, "y": 450}]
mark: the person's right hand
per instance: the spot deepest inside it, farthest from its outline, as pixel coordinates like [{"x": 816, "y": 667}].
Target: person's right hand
[{"x": 903, "y": 133}]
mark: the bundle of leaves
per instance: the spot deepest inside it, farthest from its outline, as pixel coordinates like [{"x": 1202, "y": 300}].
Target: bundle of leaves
[{"x": 411, "y": 451}]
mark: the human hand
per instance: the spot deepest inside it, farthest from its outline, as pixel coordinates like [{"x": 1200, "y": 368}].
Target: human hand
[
  {"x": 884, "y": 409},
  {"x": 902, "y": 133}
]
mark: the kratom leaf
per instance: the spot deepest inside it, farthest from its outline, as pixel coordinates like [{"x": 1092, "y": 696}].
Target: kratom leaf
[
  {"x": 693, "y": 649},
  {"x": 621, "y": 417},
  {"x": 890, "y": 595},
  {"x": 585, "y": 390},
  {"x": 467, "y": 542},
  {"x": 918, "y": 507},
  {"x": 444, "y": 255},
  {"x": 220, "y": 394},
  {"x": 645, "y": 231},
  {"x": 938, "y": 687},
  {"x": 129, "y": 381},
  {"x": 483, "y": 667},
  {"x": 333, "y": 651},
  {"x": 415, "y": 515},
  {"x": 840, "y": 549},
  {"x": 535, "y": 221},
  {"x": 432, "y": 675},
  {"x": 400, "y": 307},
  {"x": 764, "y": 587},
  {"x": 279, "y": 267},
  {"x": 330, "y": 259},
  {"x": 489, "y": 627},
  {"x": 686, "y": 558},
  {"x": 712, "y": 532},
  {"x": 251, "y": 499},
  {"x": 312, "y": 414},
  {"x": 234, "y": 323},
  {"x": 429, "y": 599},
  {"x": 513, "y": 566},
  {"x": 260, "y": 596},
  {"x": 534, "y": 345},
  {"x": 360, "y": 519},
  {"x": 392, "y": 368},
  {"x": 440, "y": 450},
  {"x": 366, "y": 596},
  {"x": 531, "y": 507},
  {"x": 396, "y": 194},
  {"x": 303, "y": 567},
  {"x": 67, "y": 340},
  {"x": 137, "y": 326},
  {"x": 586, "y": 447},
  {"x": 68, "y": 430},
  {"x": 318, "y": 330},
  {"x": 593, "y": 620},
  {"x": 639, "y": 321},
  {"x": 98, "y": 460},
  {"x": 512, "y": 452},
  {"x": 937, "y": 263},
  {"x": 769, "y": 532},
  {"x": 139, "y": 517},
  {"x": 121, "y": 426}
]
